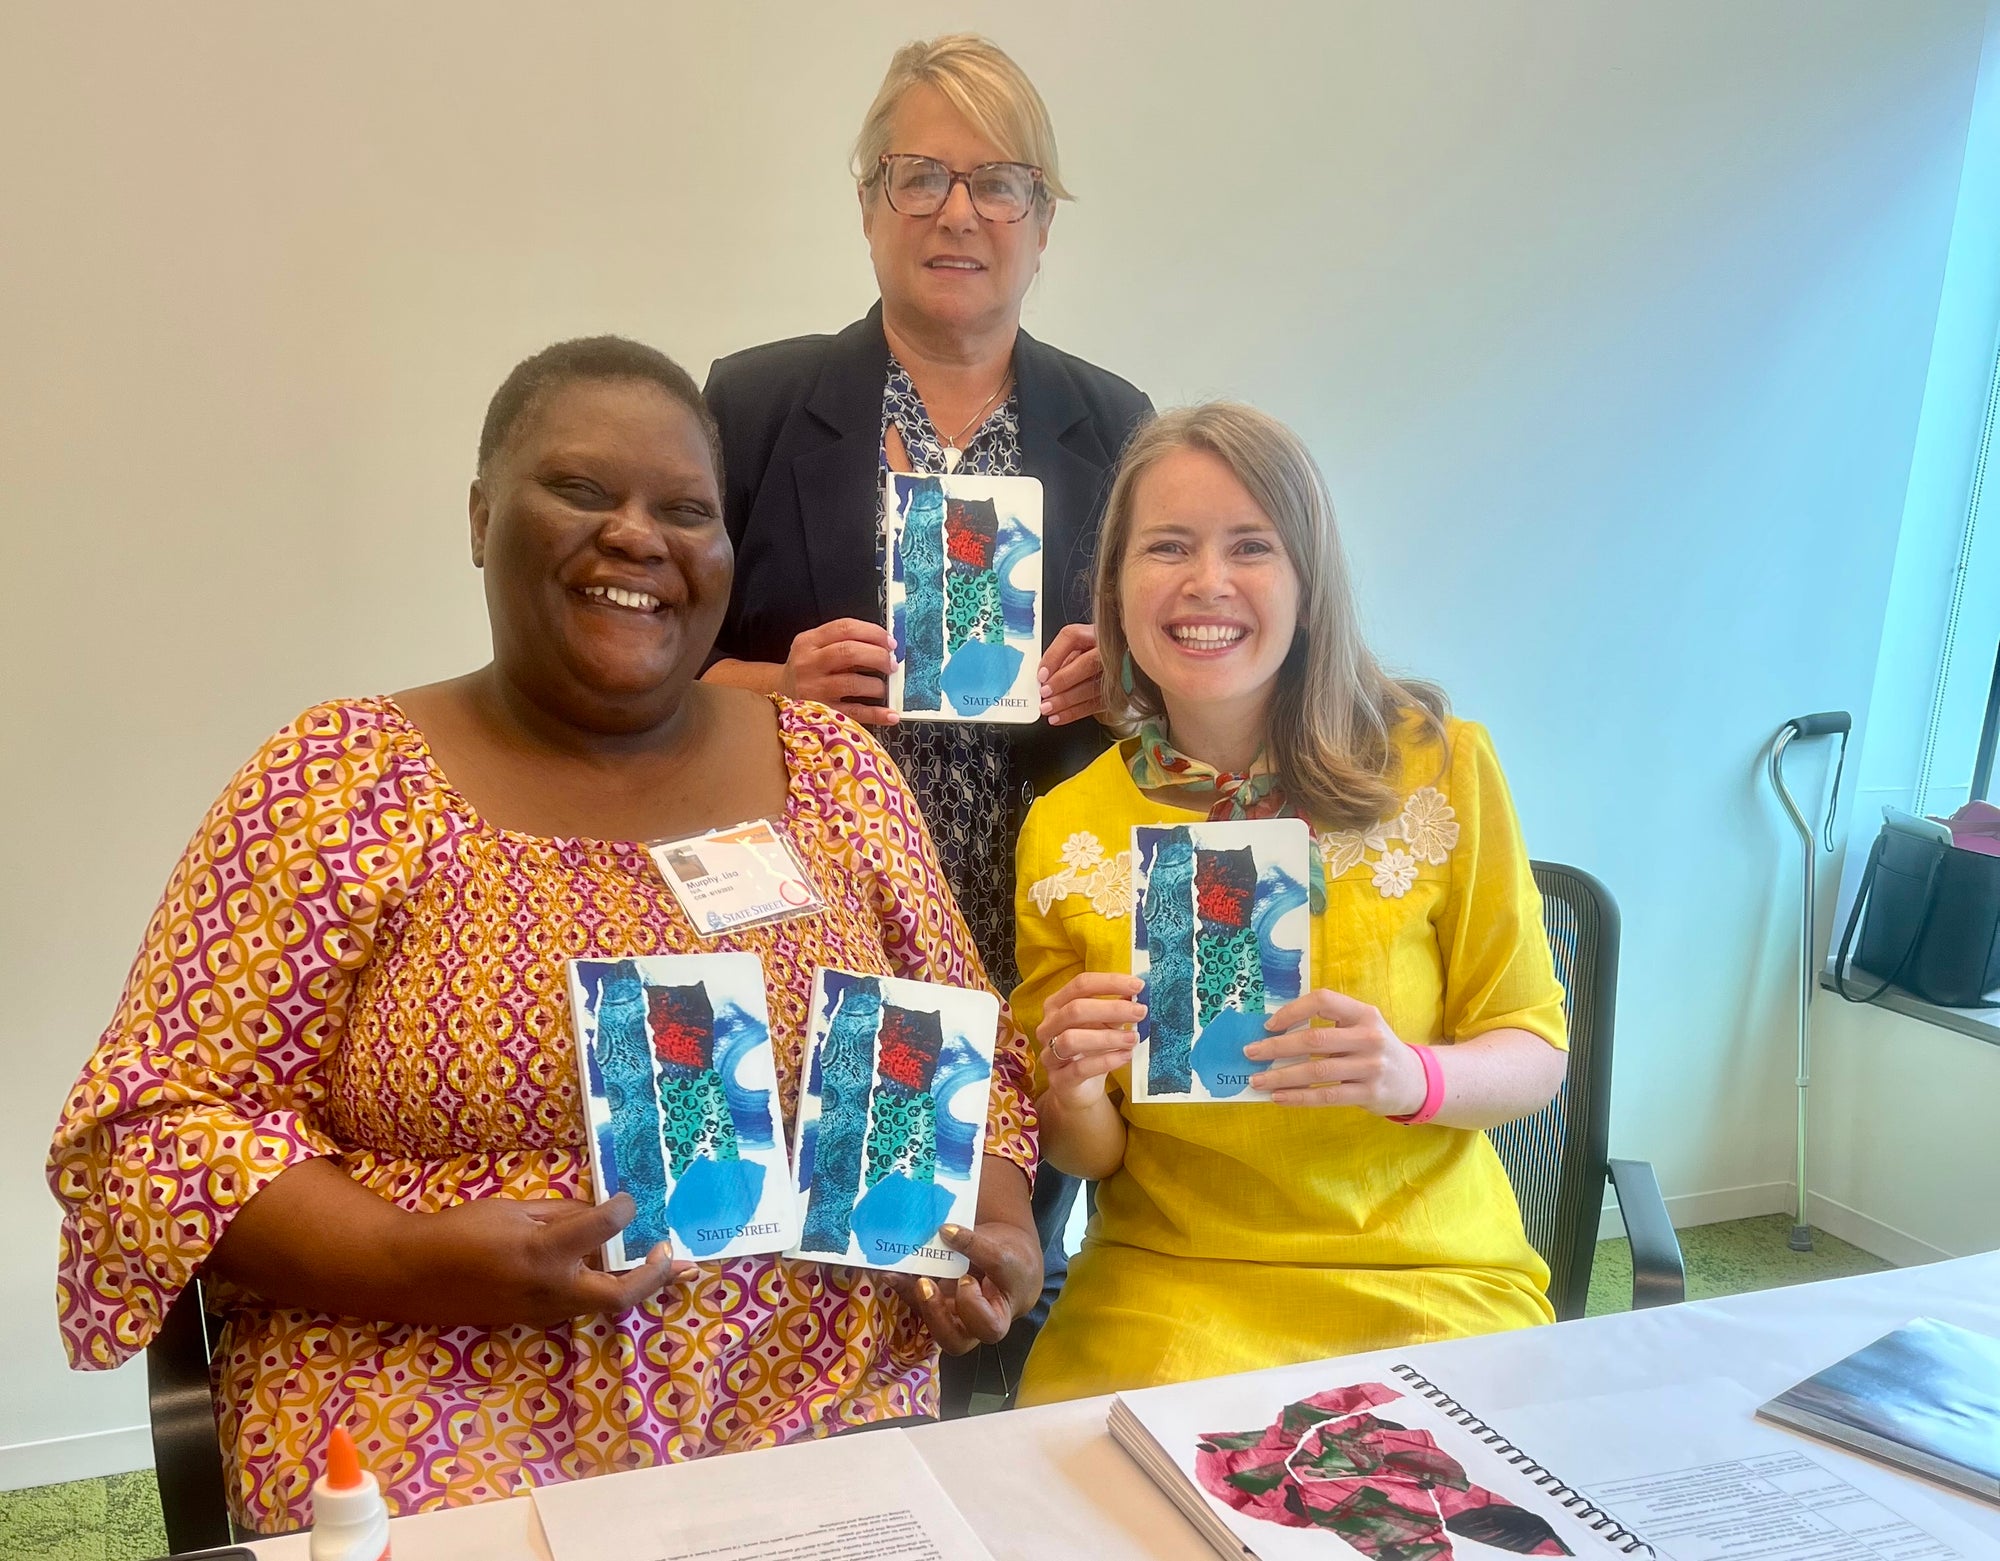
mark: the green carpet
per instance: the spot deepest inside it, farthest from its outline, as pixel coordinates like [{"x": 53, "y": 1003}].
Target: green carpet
[
  {"x": 118, "y": 1518},
  {"x": 1729, "y": 1259},
  {"x": 113, "y": 1519}
]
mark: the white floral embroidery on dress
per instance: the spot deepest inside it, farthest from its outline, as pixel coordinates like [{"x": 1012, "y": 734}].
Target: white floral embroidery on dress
[
  {"x": 1427, "y": 826},
  {"x": 1110, "y": 886},
  {"x": 1395, "y": 871},
  {"x": 1106, "y": 881},
  {"x": 1340, "y": 849},
  {"x": 1082, "y": 850}
]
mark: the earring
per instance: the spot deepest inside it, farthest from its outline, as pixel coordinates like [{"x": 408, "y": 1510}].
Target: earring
[{"x": 1125, "y": 673}]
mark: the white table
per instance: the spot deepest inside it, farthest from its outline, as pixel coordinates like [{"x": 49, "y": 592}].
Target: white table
[{"x": 1049, "y": 1482}]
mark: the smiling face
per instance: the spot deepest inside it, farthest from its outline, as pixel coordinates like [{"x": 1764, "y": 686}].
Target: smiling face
[
  {"x": 953, "y": 271},
  {"x": 1208, "y": 597},
  {"x": 599, "y": 526}
]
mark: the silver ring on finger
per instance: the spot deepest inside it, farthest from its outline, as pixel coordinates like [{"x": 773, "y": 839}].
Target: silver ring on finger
[{"x": 1056, "y": 1051}]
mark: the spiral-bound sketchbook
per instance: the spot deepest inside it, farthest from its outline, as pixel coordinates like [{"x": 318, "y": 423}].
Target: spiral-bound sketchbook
[{"x": 1298, "y": 1464}]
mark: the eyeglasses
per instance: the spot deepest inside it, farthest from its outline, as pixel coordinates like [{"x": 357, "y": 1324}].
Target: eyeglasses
[{"x": 919, "y": 186}]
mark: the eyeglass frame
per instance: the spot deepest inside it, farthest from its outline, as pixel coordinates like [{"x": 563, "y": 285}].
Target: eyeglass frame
[{"x": 957, "y": 178}]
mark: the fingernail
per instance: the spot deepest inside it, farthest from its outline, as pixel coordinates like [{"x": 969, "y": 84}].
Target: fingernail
[
  {"x": 952, "y": 1232},
  {"x": 926, "y": 1290}
]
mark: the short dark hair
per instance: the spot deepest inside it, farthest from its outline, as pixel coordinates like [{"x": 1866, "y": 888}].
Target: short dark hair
[{"x": 590, "y": 358}]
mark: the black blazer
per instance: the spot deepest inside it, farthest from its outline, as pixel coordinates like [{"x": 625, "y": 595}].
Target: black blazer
[{"x": 801, "y": 452}]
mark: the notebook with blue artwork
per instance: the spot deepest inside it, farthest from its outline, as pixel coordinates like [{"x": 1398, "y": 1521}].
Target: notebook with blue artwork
[
  {"x": 964, "y": 596},
  {"x": 1925, "y": 1398},
  {"x": 681, "y": 1099},
  {"x": 892, "y": 1120},
  {"x": 1221, "y": 935}
]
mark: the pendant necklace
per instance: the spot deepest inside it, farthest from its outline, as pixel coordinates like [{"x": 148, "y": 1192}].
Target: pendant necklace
[{"x": 951, "y": 452}]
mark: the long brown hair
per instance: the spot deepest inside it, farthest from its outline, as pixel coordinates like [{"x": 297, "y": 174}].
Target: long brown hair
[{"x": 1334, "y": 713}]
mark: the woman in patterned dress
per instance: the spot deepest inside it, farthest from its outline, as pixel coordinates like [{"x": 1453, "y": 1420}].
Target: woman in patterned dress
[
  {"x": 958, "y": 181},
  {"x": 1364, "y": 1208},
  {"x": 339, "y": 1087}
]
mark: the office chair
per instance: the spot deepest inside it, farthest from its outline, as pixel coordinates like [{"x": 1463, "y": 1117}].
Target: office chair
[
  {"x": 1557, "y": 1158},
  {"x": 187, "y": 1450},
  {"x": 995, "y": 1369}
]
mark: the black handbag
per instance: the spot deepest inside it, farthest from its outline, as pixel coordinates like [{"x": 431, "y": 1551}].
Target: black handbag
[{"x": 1929, "y": 915}]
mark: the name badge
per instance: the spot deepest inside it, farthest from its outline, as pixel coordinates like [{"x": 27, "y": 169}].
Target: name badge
[{"x": 739, "y": 877}]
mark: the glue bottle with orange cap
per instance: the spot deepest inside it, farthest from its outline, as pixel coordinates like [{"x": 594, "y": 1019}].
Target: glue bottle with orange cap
[{"x": 350, "y": 1519}]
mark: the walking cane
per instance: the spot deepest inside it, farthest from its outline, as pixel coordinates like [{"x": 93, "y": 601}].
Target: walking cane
[{"x": 1828, "y": 723}]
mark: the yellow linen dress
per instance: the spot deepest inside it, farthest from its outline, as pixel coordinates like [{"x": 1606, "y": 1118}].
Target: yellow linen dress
[{"x": 1241, "y": 1236}]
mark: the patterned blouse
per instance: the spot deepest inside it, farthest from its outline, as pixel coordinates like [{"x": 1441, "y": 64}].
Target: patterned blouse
[
  {"x": 962, "y": 774},
  {"x": 349, "y": 961}
]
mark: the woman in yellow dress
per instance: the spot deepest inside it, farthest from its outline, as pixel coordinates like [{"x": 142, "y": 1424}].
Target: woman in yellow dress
[{"x": 1363, "y": 1207}]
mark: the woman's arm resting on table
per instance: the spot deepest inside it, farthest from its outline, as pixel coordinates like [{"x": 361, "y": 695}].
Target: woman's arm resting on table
[
  {"x": 1085, "y": 1034},
  {"x": 316, "y": 1238},
  {"x": 1006, "y": 1274},
  {"x": 1333, "y": 1050}
]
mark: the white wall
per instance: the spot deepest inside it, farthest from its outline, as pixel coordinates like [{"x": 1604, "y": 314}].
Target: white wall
[
  {"x": 1609, "y": 323},
  {"x": 1904, "y": 1160}
]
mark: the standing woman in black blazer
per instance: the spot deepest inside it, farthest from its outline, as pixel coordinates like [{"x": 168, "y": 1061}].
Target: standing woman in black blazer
[{"x": 957, "y": 178}]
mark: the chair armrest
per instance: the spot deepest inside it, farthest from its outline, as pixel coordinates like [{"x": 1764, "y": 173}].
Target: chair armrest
[
  {"x": 186, "y": 1450},
  {"x": 1658, "y": 1276}
]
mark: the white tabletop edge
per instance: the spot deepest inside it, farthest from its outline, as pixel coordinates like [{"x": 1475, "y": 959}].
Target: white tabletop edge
[{"x": 1050, "y": 1481}]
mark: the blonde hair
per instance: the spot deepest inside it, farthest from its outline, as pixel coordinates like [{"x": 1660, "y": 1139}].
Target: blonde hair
[
  {"x": 1334, "y": 714},
  {"x": 977, "y": 79}
]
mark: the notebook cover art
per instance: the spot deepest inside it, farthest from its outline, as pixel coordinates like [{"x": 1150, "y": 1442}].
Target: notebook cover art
[
  {"x": 964, "y": 596},
  {"x": 1925, "y": 1397},
  {"x": 892, "y": 1120},
  {"x": 680, "y": 1095},
  {"x": 1220, "y": 932}
]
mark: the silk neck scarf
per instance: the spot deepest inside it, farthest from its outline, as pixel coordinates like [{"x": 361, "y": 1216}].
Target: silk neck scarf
[{"x": 1158, "y": 766}]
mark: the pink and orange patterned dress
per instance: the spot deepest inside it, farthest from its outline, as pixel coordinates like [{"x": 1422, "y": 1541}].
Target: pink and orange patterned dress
[{"x": 349, "y": 961}]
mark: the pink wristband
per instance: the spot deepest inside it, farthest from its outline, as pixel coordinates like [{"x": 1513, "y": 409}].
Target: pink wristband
[{"x": 1433, "y": 1089}]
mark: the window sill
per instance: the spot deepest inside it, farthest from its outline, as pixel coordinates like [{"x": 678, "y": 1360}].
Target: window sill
[{"x": 1982, "y": 1024}]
